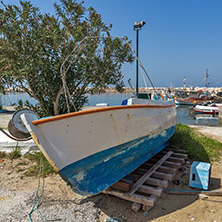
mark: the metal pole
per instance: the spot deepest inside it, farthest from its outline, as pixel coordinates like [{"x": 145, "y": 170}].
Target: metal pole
[{"x": 137, "y": 65}]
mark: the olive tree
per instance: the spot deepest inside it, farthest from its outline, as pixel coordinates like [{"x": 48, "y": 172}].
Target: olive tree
[{"x": 59, "y": 58}]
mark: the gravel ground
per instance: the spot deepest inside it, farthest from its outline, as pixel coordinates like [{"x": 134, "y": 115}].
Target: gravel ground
[
  {"x": 17, "y": 197},
  {"x": 16, "y": 206}
]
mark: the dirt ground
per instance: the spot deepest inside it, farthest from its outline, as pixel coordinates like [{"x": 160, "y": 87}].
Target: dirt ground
[
  {"x": 108, "y": 208},
  {"x": 167, "y": 208}
]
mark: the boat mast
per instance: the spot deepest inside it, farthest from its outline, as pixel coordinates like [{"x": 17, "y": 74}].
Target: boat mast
[{"x": 207, "y": 83}]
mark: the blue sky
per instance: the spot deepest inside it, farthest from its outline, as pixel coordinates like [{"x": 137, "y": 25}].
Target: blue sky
[{"x": 181, "y": 38}]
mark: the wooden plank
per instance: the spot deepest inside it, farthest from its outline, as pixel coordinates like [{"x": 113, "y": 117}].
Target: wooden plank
[
  {"x": 165, "y": 169},
  {"x": 140, "y": 171},
  {"x": 156, "y": 182},
  {"x": 128, "y": 179},
  {"x": 194, "y": 192},
  {"x": 122, "y": 186},
  {"x": 150, "y": 190},
  {"x": 133, "y": 198},
  {"x": 146, "y": 208},
  {"x": 137, "y": 176},
  {"x": 147, "y": 165},
  {"x": 150, "y": 172},
  {"x": 165, "y": 176},
  {"x": 180, "y": 155},
  {"x": 172, "y": 164},
  {"x": 153, "y": 161},
  {"x": 174, "y": 150},
  {"x": 176, "y": 160}
]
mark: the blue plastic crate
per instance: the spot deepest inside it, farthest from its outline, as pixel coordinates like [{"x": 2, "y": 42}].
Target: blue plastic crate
[{"x": 200, "y": 175}]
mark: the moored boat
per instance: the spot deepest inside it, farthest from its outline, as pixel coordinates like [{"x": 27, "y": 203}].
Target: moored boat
[{"x": 211, "y": 109}]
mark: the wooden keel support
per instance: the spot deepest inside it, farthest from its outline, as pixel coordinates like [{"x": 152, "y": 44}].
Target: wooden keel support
[
  {"x": 145, "y": 184},
  {"x": 172, "y": 164},
  {"x": 134, "y": 198},
  {"x": 157, "y": 182},
  {"x": 165, "y": 176},
  {"x": 150, "y": 172},
  {"x": 150, "y": 190}
]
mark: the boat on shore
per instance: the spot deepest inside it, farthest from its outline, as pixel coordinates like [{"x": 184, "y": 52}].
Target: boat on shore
[{"x": 93, "y": 149}]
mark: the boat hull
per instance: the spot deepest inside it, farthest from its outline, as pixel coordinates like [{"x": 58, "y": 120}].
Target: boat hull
[
  {"x": 93, "y": 149},
  {"x": 97, "y": 172},
  {"x": 206, "y": 110}
]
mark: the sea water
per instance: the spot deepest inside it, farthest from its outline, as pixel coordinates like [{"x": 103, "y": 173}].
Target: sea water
[{"x": 109, "y": 98}]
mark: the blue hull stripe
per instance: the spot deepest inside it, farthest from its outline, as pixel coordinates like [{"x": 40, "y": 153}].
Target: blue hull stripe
[{"x": 97, "y": 172}]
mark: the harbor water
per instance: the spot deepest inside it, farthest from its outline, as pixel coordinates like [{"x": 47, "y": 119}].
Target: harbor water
[{"x": 109, "y": 98}]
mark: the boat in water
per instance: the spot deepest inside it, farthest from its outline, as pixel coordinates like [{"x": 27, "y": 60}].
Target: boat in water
[
  {"x": 93, "y": 149},
  {"x": 207, "y": 108},
  {"x": 193, "y": 98}
]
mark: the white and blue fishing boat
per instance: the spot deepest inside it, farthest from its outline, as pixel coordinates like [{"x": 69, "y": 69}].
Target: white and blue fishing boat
[{"x": 93, "y": 149}]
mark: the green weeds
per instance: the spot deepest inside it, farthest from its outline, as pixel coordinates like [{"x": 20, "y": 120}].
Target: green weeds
[
  {"x": 2, "y": 155},
  {"x": 40, "y": 162},
  {"x": 16, "y": 153},
  {"x": 31, "y": 163},
  {"x": 198, "y": 147}
]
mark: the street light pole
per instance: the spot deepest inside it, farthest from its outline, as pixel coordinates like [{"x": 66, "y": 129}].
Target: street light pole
[
  {"x": 137, "y": 27},
  {"x": 137, "y": 63}
]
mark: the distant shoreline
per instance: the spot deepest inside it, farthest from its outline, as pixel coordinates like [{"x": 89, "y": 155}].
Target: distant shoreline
[{"x": 128, "y": 89}]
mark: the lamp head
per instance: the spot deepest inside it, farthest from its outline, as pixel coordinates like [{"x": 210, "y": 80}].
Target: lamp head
[{"x": 138, "y": 25}]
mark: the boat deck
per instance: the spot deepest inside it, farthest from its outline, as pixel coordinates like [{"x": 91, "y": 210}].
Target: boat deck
[{"x": 145, "y": 184}]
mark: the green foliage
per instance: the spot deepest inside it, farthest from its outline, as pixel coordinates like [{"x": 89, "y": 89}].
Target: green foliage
[
  {"x": 34, "y": 170},
  {"x": 16, "y": 153},
  {"x": 33, "y": 47},
  {"x": 3, "y": 155},
  {"x": 199, "y": 148}
]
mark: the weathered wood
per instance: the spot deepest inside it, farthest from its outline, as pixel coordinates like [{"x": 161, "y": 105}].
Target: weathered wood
[
  {"x": 128, "y": 179},
  {"x": 136, "y": 207},
  {"x": 134, "y": 197},
  {"x": 150, "y": 190},
  {"x": 193, "y": 192},
  {"x": 174, "y": 150},
  {"x": 150, "y": 172},
  {"x": 153, "y": 160},
  {"x": 165, "y": 176},
  {"x": 180, "y": 155},
  {"x": 147, "y": 165},
  {"x": 122, "y": 186},
  {"x": 151, "y": 178},
  {"x": 176, "y": 160},
  {"x": 156, "y": 182},
  {"x": 146, "y": 208},
  {"x": 165, "y": 169},
  {"x": 140, "y": 171},
  {"x": 172, "y": 164}
]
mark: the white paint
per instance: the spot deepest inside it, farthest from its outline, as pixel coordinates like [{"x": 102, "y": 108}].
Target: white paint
[{"x": 71, "y": 139}]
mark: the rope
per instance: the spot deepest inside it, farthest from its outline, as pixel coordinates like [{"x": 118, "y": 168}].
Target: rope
[
  {"x": 13, "y": 138},
  {"x": 41, "y": 169}
]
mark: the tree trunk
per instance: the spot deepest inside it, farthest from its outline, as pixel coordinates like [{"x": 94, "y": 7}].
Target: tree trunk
[{"x": 56, "y": 102}]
